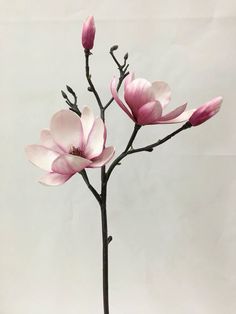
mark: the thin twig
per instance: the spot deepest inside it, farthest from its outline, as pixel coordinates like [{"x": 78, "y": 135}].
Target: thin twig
[
  {"x": 121, "y": 79},
  {"x": 88, "y": 76},
  {"x": 73, "y": 105},
  {"x": 124, "y": 153},
  {"x": 92, "y": 189},
  {"x": 149, "y": 148},
  {"x": 122, "y": 69}
]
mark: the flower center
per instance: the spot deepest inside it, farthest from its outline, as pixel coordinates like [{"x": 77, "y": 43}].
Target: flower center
[{"x": 76, "y": 151}]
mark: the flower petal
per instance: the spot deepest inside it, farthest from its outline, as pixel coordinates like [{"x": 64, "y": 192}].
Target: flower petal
[
  {"x": 118, "y": 100},
  {"x": 206, "y": 111},
  {"x": 53, "y": 178},
  {"x": 95, "y": 141},
  {"x": 69, "y": 164},
  {"x": 162, "y": 92},
  {"x": 138, "y": 93},
  {"x": 129, "y": 78},
  {"x": 87, "y": 120},
  {"x": 149, "y": 113},
  {"x": 174, "y": 113},
  {"x": 181, "y": 118},
  {"x": 88, "y": 33},
  {"x": 102, "y": 159},
  {"x": 47, "y": 141},
  {"x": 66, "y": 129},
  {"x": 41, "y": 156}
]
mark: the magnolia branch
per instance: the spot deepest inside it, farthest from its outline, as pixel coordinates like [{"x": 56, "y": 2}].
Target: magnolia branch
[
  {"x": 88, "y": 76},
  {"x": 122, "y": 69},
  {"x": 92, "y": 189},
  {"x": 149, "y": 148},
  {"x": 73, "y": 105}
]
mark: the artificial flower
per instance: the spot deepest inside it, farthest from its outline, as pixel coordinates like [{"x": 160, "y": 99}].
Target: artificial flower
[
  {"x": 146, "y": 102},
  {"x": 71, "y": 144},
  {"x": 88, "y": 33},
  {"x": 206, "y": 111}
]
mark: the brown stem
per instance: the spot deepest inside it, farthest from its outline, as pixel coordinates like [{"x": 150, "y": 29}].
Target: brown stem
[
  {"x": 88, "y": 76},
  {"x": 125, "y": 152},
  {"x": 105, "y": 243},
  {"x": 149, "y": 148}
]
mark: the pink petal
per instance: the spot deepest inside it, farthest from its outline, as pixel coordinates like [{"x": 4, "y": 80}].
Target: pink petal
[
  {"x": 69, "y": 164},
  {"x": 47, "y": 141},
  {"x": 181, "y": 118},
  {"x": 88, "y": 33},
  {"x": 95, "y": 142},
  {"x": 117, "y": 99},
  {"x": 66, "y": 129},
  {"x": 149, "y": 113},
  {"x": 162, "y": 92},
  {"x": 206, "y": 111},
  {"x": 41, "y": 156},
  {"x": 87, "y": 119},
  {"x": 129, "y": 78},
  {"x": 54, "y": 179},
  {"x": 138, "y": 93},
  {"x": 105, "y": 156},
  {"x": 174, "y": 113}
]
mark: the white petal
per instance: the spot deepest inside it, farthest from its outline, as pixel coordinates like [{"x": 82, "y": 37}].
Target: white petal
[
  {"x": 69, "y": 164},
  {"x": 47, "y": 141},
  {"x": 66, "y": 129},
  {"x": 95, "y": 142},
  {"x": 41, "y": 156},
  {"x": 162, "y": 92},
  {"x": 54, "y": 179},
  {"x": 181, "y": 118},
  {"x": 174, "y": 113},
  {"x": 87, "y": 119},
  {"x": 105, "y": 156}
]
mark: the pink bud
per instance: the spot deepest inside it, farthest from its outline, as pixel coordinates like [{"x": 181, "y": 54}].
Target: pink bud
[
  {"x": 88, "y": 33},
  {"x": 206, "y": 111}
]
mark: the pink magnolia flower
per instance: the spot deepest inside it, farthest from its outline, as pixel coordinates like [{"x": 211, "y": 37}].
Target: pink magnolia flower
[
  {"x": 146, "y": 102},
  {"x": 88, "y": 33},
  {"x": 206, "y": 111},
  {"x": 72, "y": 144}
]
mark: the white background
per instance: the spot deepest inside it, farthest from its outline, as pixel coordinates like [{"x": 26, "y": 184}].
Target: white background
[{"x": 171, "y": 212}]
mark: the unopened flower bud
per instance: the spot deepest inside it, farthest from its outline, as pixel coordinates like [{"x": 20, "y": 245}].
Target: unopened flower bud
[
  {"x": 126, "y": 56},
  {"x": 205, "y": 111},
  {"x": 64, "y": 94},
  {"x": 88, "y": 33},
  {"x": 70, "y": 90},
  {"x": 113, "y": 48}
]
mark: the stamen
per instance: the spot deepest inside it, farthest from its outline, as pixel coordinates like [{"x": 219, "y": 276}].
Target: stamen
[{"x": 75, "y": 151}]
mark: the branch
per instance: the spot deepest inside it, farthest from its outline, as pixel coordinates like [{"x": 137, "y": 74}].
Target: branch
[
  {"x": 73, "y": 105},
  {"x": 92, "y": 189},
  {"x": 88, "y": 76},
  {"x": 125, "y": 152},
  {"x": 122, "y": 69},
  {"x": 149, "y": 148}
]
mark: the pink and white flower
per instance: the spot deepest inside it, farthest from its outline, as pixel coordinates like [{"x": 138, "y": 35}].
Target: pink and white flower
[
  {"x": 72, "y": 144},
  {"x": 146, "y": 102},
  {"x": 88, "y": 33},
  {"x": 206, "y": 111}
]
